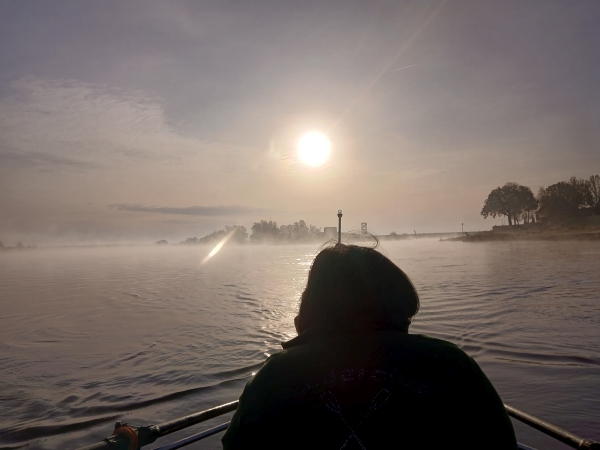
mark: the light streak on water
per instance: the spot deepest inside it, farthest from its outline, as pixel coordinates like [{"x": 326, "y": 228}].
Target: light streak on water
[{"x": 218, "y": 247}]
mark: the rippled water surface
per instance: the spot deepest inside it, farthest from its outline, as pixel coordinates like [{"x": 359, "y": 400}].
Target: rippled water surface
[{"x": 147, "y": 334}]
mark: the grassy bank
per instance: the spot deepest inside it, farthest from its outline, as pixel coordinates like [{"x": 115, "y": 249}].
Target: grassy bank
[{"x": 581, "y": 229}]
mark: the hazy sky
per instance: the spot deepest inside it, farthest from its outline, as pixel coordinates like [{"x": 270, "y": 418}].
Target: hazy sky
[{"x": 144, "y": 120}]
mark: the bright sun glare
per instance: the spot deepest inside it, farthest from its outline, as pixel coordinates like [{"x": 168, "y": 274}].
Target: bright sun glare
[{"x": 314, "y": 149}]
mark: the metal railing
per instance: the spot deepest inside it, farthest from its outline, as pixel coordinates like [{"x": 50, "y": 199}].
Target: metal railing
[
  {"x": 571, "y": 439},
  {"x": 127, "y": 437}
]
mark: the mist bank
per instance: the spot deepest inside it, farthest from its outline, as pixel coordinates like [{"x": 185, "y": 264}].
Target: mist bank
[
  {"x": 214, "y": 238},
  {"x": 268, "y": 232}
]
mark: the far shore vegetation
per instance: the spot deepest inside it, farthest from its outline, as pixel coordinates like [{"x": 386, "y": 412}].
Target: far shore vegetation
[
  {"x": 18, "y": 246},
  {"x": 263, "y": 232},
  {"x": 564, "y": 210},
  {"x": 553, "y": 205},
  {"x": 567, "y": 210}
]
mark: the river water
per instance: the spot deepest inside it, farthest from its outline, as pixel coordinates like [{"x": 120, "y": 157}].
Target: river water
[{"x": 147, "y": 334}]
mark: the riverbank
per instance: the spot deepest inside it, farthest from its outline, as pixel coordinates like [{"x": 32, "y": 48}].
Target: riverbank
[{"x": 558, "y": 234}]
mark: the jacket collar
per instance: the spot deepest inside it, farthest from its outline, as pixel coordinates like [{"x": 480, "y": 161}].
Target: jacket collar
[{"x": 393, "y": 323}]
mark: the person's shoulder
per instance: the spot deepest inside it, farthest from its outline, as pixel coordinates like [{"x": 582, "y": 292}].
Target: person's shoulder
[
  {"x": 275, "y": 360},
  {"x": 274, "y": 367},
  {"x": 445, "y": 358},
  {"x": 429, "y": 341},
  {"x": 439, "y": 347}
]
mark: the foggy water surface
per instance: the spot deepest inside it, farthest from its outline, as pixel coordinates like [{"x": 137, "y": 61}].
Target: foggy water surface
[{"x": 147, "y": 334}]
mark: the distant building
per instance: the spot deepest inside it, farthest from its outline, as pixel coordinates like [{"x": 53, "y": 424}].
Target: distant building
[
  {"x": 363, "y": 228},
  {"x": 330, "y": 232}
]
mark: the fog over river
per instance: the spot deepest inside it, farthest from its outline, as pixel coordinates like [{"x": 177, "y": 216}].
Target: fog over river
[{"x": 147, "y": 334}]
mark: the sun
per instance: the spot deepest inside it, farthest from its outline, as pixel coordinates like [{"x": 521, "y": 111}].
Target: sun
[{"x": 314, "y": 149}]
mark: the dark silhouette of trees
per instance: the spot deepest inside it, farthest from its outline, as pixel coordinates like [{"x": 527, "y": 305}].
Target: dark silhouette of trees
[
  {"x": 582, "y": 187},
  {"x": 497, "y": 205},
  {"x": 268, "y": 231},
  {"x": 511, "y": 200},
  {"x": 240, "y": 235},
  {"x": 594, "y": 191},
  {"x": 566, "y": 198},
  {"x": 264, "y": 231},
  {"x": 529, "y": 204}
]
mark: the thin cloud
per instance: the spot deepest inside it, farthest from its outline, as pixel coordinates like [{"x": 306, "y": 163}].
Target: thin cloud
[
  {"x": 37, "y": 159},
  {"x": 76, "y": 121},
  {"x": 207, "y": 211}
]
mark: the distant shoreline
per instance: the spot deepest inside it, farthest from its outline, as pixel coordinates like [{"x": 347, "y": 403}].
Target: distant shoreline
[
  {"x": 558, "y": 234},
  {"x": 320, "y": 240},
  {"x": 503, "y": 235}
]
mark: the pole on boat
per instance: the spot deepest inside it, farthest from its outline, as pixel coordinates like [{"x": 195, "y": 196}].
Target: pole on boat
[
  {"x": 148, "y": 434},
  {"x": 339, "y": 226},
  {"x": 571, "y": 439},
  {"x": 194, "y": 438}
]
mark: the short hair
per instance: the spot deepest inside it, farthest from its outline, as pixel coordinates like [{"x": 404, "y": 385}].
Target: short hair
[{"x": 349, "y": 283}]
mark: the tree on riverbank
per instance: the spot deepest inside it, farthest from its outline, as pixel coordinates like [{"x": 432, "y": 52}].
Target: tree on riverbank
[
  {"x": 563, "y": 200},
  {"x": 268, "y": 232},
  {"x": 594, "y": 187},
  {"x": 567, "y": 198},
  {"x": 511, "y": 200}
]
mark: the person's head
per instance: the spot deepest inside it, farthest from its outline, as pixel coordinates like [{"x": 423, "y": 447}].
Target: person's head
[{"x": 349, "y": 285}]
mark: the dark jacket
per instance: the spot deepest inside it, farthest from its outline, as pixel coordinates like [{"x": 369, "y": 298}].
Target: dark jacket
[{"x": 370, "y": 387}]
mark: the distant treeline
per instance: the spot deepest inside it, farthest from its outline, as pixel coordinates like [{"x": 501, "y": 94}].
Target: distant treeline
[
  {"x": 265, "y": 231},
  {"x": 268, "y": 231},
  {"x": 563, "y": 200},
  {"x": 18, "y": 246},
  {"x": 239, "y": 235}
]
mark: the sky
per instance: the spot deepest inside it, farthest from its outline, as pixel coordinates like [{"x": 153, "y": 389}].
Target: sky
[{"x": 126, "y": 122}]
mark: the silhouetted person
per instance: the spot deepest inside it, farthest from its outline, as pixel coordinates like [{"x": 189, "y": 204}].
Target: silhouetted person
[{"x": 354, "y": 378}]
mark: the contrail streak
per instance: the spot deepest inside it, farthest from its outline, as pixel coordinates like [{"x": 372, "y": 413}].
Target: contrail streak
[
  {"x": 402, "y": 68},
  {"x": 386, "y": 67}
]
